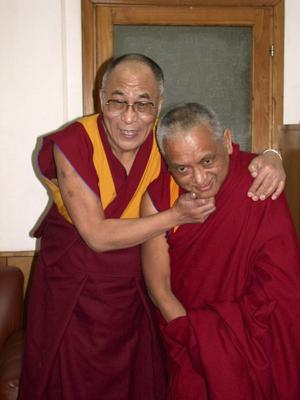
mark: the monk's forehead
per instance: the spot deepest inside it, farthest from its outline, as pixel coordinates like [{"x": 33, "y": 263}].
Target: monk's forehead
[
  {"x": 131, "y": 67},
  {"x": 133, "y": 78}
]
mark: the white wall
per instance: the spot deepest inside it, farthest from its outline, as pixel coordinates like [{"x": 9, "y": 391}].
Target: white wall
[{"x": 40, "y": 87}]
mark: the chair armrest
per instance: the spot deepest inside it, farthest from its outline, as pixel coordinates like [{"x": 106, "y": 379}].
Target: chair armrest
[
  {"x": 10, "y": 366},
  {"x": 11, "y": 302}
]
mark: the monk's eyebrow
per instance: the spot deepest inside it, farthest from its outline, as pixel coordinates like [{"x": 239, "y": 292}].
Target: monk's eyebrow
[
  {"x": 211, "y": 156},
  {"x": 117, "y": 92},
  {"x": 144, "y": 96}
]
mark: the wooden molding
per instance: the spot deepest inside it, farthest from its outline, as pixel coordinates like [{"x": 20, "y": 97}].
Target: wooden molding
[
  {"x": 223, "y": 3},
  {"x": 17, "y": 253}
]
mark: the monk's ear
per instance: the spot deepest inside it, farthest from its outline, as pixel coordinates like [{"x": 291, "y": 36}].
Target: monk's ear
[
  {"x": 228, "y": 140},
  {"x": 101, "y": 97},
  {"x": 160, "y": 103}
]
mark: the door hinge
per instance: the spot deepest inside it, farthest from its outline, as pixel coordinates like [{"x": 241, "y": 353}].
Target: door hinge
[{"x": 272, "y": 50}]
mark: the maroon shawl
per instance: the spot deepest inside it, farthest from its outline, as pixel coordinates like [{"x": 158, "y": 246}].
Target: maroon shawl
[{"x": 238, "y": 276}]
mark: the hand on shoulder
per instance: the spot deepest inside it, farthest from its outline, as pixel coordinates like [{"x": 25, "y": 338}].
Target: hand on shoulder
[{"x": 267, "y": 169}]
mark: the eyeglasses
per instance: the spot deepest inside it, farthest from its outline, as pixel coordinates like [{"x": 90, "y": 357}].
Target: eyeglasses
[{"x": 140, "y": 107}]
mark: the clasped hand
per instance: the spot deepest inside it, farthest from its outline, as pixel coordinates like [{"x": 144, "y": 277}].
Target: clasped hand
[{"x": 193, "y": 210}]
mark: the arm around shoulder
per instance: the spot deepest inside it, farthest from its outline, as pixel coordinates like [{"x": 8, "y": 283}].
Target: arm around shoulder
[
  {"x": 267, "y": 169},
  {"x": 156, "y": 269},
  {"x": 101, "y": 234}
]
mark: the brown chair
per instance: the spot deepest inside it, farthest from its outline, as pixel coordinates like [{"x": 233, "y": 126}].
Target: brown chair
[{"x": 11, "y": 332}]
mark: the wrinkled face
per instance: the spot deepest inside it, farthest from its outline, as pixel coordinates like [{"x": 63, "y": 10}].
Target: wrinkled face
[
  {"x": 132, "y": 82},
  {"x": 197, "y": 161}
]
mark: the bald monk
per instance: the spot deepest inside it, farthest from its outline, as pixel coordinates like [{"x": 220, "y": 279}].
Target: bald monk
[{"x": 227, "y": 289}]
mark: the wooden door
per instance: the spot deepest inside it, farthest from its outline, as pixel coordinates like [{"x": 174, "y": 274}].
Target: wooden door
[{"x": 264, "y": 17}]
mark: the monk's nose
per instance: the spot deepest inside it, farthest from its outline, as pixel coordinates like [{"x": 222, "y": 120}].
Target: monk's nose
[
  {"x": 129, "y": 115},
  {"x": 199, "y": 176}
]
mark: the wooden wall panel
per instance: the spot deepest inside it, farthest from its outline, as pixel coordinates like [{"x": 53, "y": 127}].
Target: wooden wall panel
[
  {"x": 21, "y": 259},
  {"x": 290, "y": 149}
]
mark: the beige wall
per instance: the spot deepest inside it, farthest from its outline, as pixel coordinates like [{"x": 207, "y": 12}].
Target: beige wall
[{"x": 40, "y": 86}]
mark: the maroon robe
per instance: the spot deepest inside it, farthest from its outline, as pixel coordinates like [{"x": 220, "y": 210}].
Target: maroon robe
[
  {"x": 238, "y": 276},
  {"x": 91, "y": 332}
]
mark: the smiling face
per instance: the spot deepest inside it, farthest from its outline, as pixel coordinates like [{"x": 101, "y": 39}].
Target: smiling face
[
  {"x": 198, "y": 162},
  {"x": 130, "y": 81}
]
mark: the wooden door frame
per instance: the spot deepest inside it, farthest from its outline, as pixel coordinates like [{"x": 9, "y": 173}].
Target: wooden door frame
[{"x": 95, "y": 53}]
